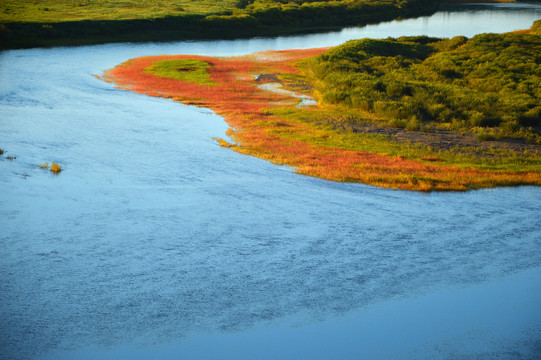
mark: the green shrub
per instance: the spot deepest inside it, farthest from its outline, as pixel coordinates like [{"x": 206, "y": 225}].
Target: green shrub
[
  {"x": 489, "y": 81},
  {"x": 485, "y": 136},
  {"x": 414, "y": 124}
]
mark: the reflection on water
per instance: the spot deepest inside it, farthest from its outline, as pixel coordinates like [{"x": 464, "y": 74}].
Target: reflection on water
[{"x": 154, "y": 234}]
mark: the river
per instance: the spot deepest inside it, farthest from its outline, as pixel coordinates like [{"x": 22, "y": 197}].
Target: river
[{"x": 155, "y": 242}]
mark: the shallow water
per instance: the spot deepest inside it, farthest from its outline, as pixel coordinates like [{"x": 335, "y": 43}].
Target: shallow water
[{"x": 154, "y": 240}]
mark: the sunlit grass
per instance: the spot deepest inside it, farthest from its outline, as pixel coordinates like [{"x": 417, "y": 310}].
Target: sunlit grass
[
  {"x": 191, "y": 70},
  {"x": 325, "y": 133},
  {"x": 55, "y": 168},
  {"x": 75, "y": 10}
]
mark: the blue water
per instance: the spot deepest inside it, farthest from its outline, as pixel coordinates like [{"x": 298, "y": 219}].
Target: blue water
[{"x": 155, "y": 242}]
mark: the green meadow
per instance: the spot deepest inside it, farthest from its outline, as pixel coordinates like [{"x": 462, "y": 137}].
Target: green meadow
[
  {"x": 191, "y": 70},
  {"x": 26, "y": 23},
  {"x": 76, "y": 10}
]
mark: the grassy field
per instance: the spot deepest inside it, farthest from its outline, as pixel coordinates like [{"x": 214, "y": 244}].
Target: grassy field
[
  {"x": 45, "y": 11},
  {"x": 336, "y": 139},
  {"x": 182, "y": 69},
  {"x": 25, "y": 23}
]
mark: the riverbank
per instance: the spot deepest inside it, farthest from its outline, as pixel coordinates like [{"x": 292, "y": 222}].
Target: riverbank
[
  {"x": 23, "y": 25},
  {"x": 322, "y": 140}
]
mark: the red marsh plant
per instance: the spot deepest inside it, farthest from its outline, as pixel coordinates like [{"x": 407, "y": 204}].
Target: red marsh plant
[{"x": 260, "y": 128}]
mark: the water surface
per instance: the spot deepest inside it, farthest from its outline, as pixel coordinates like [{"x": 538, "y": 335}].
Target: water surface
[{"x": 156, "y": 242}]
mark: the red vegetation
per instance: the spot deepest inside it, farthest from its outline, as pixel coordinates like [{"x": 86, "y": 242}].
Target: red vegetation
[{"x": 236, "y": 97}]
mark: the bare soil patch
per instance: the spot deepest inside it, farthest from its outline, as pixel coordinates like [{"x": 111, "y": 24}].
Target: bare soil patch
[{"x": 445, "y": 140}]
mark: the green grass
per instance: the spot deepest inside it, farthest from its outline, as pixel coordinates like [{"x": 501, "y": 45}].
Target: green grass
[
  {"x": 46, "y": 11},
  {"x": 191, "y": 70},
  {"x": 76, "y": 10},
  {"x": 29, "y": 23},
  {"x": 332, "y": 134}
]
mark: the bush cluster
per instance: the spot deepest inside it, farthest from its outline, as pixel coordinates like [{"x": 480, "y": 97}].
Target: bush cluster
[{"x": 488, "y": 84}]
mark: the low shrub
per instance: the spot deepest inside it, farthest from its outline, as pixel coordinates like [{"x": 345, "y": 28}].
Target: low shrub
[{"x": 485, "y": 136}]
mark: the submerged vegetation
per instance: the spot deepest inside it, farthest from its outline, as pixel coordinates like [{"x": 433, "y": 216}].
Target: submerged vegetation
[
  {"x": 26, "y": 23},
  {"x": 399, "y": 113}
]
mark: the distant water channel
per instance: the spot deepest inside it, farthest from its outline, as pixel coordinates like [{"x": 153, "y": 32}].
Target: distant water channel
[{"x": 156, "y": 243}]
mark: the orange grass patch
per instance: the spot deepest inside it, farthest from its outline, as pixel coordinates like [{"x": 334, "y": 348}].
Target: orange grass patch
[
  {"x": 235, "y": 96},
  {"x": 56, "y": 168}
]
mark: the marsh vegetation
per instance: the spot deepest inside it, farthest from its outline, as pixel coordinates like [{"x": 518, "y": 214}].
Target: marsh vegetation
[{"x": 441, "y": 97}]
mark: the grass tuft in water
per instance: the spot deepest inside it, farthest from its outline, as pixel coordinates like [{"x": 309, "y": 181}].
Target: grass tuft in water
[{"x": 55, "y": 168}]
